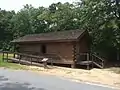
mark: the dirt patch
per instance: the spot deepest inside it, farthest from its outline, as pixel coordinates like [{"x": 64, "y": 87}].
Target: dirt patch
[{"x": 99, "y": 76}]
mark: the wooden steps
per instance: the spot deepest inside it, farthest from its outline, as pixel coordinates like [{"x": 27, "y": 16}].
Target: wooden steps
[
  {"x": 89, "y": 63},
  {"x": 100, "y": 66},
  {"x": 90, "y": 59}
]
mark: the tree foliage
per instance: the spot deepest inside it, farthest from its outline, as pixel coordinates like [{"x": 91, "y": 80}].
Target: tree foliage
[
  {"x": 59, "y": 17},
  {"x": 100, "y": 17}
]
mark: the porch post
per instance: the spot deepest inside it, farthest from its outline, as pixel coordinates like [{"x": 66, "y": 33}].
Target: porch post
[
  {"x": 74, "y": 55},
  {"x": 88, "y": 66}
]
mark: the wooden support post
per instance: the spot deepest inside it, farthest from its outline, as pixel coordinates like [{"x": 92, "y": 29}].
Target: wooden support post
[
  {"x": 88, "y": 65},
  {"x": 73, "y": 65},
  {"x": 92, "y": 60}
]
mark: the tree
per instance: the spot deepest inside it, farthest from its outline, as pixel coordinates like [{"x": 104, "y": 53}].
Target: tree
[
  {"x": 26, "y": 22},
  {"x": 59, "y": 17},
  {"x": 5, "y": 28},
  {"x": 102, "y": 19}
]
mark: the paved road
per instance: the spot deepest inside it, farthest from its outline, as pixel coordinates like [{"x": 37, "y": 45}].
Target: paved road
[{"x": 26, "y": 80}]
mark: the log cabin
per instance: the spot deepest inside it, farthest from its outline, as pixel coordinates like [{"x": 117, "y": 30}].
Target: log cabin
[{"x": 62, "y": 46}]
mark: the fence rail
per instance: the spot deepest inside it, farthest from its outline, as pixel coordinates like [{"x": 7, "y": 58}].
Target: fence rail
[{"x": 18, "y": 57}]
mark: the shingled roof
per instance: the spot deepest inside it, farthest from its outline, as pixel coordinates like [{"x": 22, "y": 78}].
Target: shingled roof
[{"x": 70, "y": 35}]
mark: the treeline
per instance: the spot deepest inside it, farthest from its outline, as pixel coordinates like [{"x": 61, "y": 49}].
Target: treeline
[{"x": 100, "y": 17}]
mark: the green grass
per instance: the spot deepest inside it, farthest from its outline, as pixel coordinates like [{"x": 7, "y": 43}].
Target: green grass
[{"x": 11, "y": 65}]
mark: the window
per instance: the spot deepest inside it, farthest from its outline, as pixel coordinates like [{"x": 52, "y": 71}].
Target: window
[{"x": 43, "y": 49}]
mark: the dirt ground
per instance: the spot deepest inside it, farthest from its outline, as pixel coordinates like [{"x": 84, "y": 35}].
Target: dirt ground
[{"x": 95, "y": 76}]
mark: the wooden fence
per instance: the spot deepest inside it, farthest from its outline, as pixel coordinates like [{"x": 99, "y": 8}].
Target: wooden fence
[{"x": 17, "y": 57}]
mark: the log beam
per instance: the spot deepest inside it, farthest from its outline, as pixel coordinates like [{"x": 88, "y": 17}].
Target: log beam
[{"x": 74, "y": 55}]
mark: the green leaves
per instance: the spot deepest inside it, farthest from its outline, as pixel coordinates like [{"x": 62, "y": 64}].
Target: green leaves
[
  {"x": 100, "y": 17},
  {"x": 5, "y": 28},
  {"x": 59, "y": 17}
]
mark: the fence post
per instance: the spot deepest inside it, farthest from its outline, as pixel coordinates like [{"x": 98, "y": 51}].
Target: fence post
[
  {"x": 3, "y": 57},
  {"x": 19, "y": 58},
  {"x": 31, "y": 60},
  {"x": 14, "y": 55},
  {"x": 7, "y": 56}
]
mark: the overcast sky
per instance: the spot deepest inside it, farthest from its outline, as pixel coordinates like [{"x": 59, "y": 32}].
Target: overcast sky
[{"x": 18, "y": 4}]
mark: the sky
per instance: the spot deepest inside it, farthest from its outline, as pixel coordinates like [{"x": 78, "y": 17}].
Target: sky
[{"x": 18, "y": 4}]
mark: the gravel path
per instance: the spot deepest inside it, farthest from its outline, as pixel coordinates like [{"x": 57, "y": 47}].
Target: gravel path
[{"x": 26, "y": 80}]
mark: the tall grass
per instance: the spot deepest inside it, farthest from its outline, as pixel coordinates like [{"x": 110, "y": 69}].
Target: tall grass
[{"x": 6, "y": 64}]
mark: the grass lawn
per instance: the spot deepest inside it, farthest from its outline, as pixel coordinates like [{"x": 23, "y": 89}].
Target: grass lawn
[{"x": 11, "y": 65}]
